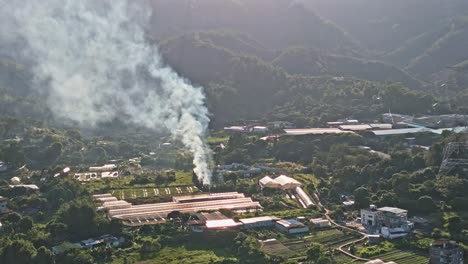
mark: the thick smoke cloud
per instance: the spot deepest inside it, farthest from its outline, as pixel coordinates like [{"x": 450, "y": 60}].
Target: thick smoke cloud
[{"x": 98, "y": 66}]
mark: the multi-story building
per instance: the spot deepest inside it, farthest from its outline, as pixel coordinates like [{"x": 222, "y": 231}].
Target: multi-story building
[
  {"x": 444, "y": 251},
  {"x": 391, "y": 222}
]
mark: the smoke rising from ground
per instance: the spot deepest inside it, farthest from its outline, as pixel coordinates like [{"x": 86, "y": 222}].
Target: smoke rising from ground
[{"x": 97, "y": 66}]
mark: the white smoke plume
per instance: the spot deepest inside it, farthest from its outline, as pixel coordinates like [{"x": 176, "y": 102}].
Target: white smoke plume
[{"x": 99, "y": 66}]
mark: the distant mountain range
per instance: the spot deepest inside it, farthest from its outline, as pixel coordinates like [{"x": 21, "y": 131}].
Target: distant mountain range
[{"x": 248, "y": 53}]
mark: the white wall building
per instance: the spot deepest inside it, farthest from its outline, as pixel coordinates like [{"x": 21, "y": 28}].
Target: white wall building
[
  {"x": 391, "y": 222},
  {"x": 320, "y": 222},
  {"x": 257, "y": 222},
  {"x": 291, "y": 227}
]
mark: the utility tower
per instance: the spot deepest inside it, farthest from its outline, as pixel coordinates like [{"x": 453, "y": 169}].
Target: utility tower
[{"x": 455, "y": 155}]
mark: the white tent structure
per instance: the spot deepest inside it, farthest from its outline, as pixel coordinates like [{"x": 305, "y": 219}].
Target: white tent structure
[
  {"x": 287, "y": 183},
  {"x": 268, "y": 182},
  {"x": 282, "y": 182}
]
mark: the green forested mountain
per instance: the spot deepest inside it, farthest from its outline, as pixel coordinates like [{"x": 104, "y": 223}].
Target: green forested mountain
[
  {"x": 276, "y": 24},
  {"x": 247, "y": 53},
  {"x": 315, "y": 62}
]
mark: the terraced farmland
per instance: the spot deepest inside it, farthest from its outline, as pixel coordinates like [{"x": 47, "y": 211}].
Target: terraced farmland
[
  {"x": 403, "y": 257},
  {"x": 135, "y": 193},
  {"x": 326, "y": 237}
]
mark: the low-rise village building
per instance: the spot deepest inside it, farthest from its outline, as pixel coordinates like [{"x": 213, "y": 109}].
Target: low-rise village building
[
  {"x": 348, "y": 205},
  {"x": 212, "y": 222},
  {"x": 30, "y": 187},
  {"x": 97, "y": 175},
  {"x": 291, "y": 227},
  {"x": 280, "y": 125},
  {"x": 379, "y": 261},
  {"x": 102, "y": 241},
  {"x": 390, "y": 222},
  {"x": 236, "y": 129},
  {"x": 373, "y": 239},
  {"x": 258, "y": 222},
  {"x": 320, "y": 222},
  {"x": 444, "y": 251},
  {"x": 107, "y": 167},
  {"x": 259, "y": 129},
  {"x": 3, "y": 166}
]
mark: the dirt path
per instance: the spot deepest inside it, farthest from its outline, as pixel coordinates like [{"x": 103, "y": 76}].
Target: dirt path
[{"x": 341, "y": 248}]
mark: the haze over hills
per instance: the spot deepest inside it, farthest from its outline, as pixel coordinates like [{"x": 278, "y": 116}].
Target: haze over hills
[
  {"x": 243, "y": 50},
  {"x": 233, "y": 131}
]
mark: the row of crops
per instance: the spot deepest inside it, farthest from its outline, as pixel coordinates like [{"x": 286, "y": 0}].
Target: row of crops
[
  {"x": 325, "y": 237},
  {"x": 403, "y": 257}
]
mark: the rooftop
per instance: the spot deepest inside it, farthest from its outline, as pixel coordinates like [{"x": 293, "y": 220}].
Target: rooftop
[
  {"x": 393, "y": 210},
  {"x": 258, "y": 219},
  {"x": 27, "y": 186},
  {"x": 290, "y": 223},
  {"x": 401, "y": 131},
  {"x": 285, "y": 180},
  {"x": 355, "y": 127},
  {"x": 318, "y": 220},
  {"x": 217, "y": 224},
  {"x": 314, "y": 131},
  {"x": 379, "y": 261},
  {"x": 211, "y": 216}
]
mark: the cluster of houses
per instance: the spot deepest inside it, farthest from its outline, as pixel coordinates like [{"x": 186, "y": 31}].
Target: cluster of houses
[
  {"x": 98, "y": 172},
  {"x": 392, "y": 223},
  {"x": 102, "y": 241},
  {"x": 393, "y": 124},
  {"x": 259, "y": 128},
  {"x": 205, "y": 222}
]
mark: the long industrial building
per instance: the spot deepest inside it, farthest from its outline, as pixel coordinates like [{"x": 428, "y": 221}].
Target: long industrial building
[{"x": 136, "y": 215}]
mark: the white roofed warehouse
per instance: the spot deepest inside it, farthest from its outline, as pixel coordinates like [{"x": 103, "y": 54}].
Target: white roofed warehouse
[
  {"x": 268, "y": 182},
  {"x": 156, "y": 213},
  {"x": 282, "y": 182}
]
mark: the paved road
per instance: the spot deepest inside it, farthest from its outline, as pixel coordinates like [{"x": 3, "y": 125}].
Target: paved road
[{"x": 340, "y": 248}]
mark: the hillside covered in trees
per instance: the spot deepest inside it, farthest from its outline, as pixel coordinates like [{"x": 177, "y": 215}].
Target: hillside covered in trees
[{"x": 260, "y": 58}]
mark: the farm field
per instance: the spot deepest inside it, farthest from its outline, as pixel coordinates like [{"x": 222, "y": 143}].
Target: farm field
[
  {"x": 276, "y": 248},
  {"x": 403, "y": 257},
  {"x": 325, "y": 237},
  {"x": 145, "y": 192}
]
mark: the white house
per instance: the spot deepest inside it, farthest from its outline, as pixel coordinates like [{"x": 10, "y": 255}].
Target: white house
[
  {"x": 391, "y": 222},
  {"x": 257, "y": 222},
  {"x": 291, "y": 227},
  {"x": 320, "y": 222}
]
